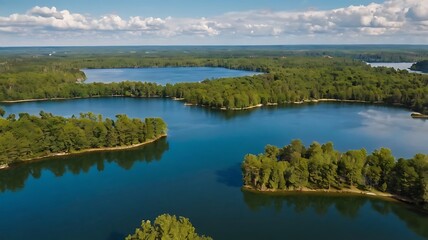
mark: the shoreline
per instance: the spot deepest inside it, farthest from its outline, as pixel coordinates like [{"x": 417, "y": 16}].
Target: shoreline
[
  {"x": 192, "y": 104},
  {"x": 63, "y": 154},
  {"x": 418, "y": 115},
  {"x": 242, "y": 108},
  {"x": 38, "y": 100},
  {"x": 297, "y": 102},
  {"x": 355, "y": 191},
  {"x": 414, "y": 115},
  {"x": 348, "y": 191},
  {"x": 321, "y": 100},
  {"x": 224, "y": 108},
  {"x": 73, "y": 98},
  {"x": 339, "y": 101}
]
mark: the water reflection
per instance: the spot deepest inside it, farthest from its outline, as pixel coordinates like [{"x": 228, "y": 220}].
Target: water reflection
[
  {"x": 348, "y": 206},
  {"x": 14, "y": 179},
  {"x": 231, "y": 176},
  {"x": 385, "y": 122},
  {"x": 383, "y": 125}
]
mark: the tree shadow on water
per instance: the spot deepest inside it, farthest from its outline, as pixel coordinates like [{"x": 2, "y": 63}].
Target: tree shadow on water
[
  {"x": 14, "y": 179},
  {"x": 348, "y": 206},
  {"x": 231, "y": 176},
  {"x": 116, "y": 236}
]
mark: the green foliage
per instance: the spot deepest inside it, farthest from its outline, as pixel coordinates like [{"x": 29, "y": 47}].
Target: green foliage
[
  {"x": 166, "y": 227},
  {"x": 298, "y": 79},
  {"x": 32, "y": 136},
  {"x": 294, "y": 167},
  {"x": 350, "y": 166},
  {"x": 410, "y": 178},
  {"x": 378, "y": 167},
  {"x": 286, "y": 80}
]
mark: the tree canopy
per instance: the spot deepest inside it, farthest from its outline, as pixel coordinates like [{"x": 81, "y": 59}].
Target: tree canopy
[
  {"x": 295, "y": 167},
  {"x": 167, "y": 227},
  {"x": 285, "y": 80},
  {"x": 26, "y": 136}
]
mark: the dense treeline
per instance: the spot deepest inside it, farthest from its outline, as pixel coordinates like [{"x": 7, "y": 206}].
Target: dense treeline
[
  {"x": 368, "y": 53},
  {"x": 48, "y": 78},
  {"x": 167, "y": 227},
  {"x": 295, "y": 167},
  {"x": 296, "y": 80},
  {"x": 26, "y": 136},
  {"x": 286, "y": 79},
  {"x": 420, "y": 66}
]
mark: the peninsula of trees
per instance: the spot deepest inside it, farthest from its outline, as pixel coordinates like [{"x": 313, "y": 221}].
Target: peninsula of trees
[
  {"x": 320, "y": 167},
  {"x": 285, "y": 80},
  {"x": 26, "y": 137},
  {"x": 167, "y": 227},
  {"x": 420, "y": 66}
]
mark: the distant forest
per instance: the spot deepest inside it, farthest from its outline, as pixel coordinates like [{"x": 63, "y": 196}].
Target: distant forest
[{"x": 310, "y": 75}]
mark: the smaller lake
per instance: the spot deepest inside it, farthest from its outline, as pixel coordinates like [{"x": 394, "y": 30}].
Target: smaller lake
[
  {"x": 162, "y": 75},
  {"x": 396, "y": 65}
]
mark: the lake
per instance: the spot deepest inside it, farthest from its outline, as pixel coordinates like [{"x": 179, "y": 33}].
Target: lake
[
  {"x": 396, "y": 65},
  {"x": 162, "y": 75},
  {"x": 195, "y": 172}
]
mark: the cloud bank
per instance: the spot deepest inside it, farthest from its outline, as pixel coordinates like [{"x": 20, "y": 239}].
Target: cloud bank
[{"x": 393, "y": 21}]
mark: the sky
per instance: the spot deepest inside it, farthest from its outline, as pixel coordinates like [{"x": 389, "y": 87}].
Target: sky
[{"x": 219, "y": 22}]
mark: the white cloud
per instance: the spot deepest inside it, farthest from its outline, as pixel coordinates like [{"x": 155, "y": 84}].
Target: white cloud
[
  {"x": 418, "y": 11},
  {"x": 45, "y": 12},
  {"x": 391, "y": 19}
]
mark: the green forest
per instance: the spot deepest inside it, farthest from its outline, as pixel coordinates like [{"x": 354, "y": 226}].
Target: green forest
[
  {"x": 166, "y": 227},
  {"x": 296, "y": 80},
  {"x": 25, "y": 137},
  {"x": 286, "y": 79},
  {"x": 296, "y": 167}
]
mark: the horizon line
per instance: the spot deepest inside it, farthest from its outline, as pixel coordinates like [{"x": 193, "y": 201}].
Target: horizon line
[{"x": 225, "y": 45}]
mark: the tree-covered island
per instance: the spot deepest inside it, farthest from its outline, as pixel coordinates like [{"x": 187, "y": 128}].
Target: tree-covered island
[
  {"x": 27, "y": 137},
  {"x": 167, "y": 227},
  {"x": 322, "y": 168},
  {"x": 420, "y": 66}
]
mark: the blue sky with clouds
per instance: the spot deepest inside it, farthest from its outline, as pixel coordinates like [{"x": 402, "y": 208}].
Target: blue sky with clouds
[
  {"x": 176, "y": 8},
  {"x": 172, "y": 22}
]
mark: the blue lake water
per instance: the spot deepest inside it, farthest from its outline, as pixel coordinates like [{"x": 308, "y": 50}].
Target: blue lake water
[
  {"x": 195, "y": 172},
  {"x": 396, "y": 65},
  {"x": 162, "y": 75}
]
